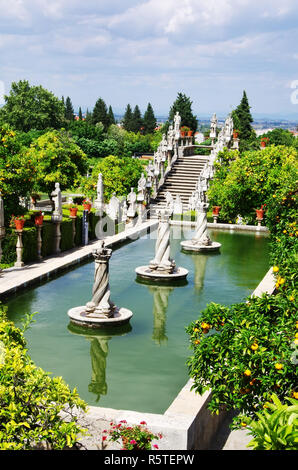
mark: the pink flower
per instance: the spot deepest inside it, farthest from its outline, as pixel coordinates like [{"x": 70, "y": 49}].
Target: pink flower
[
  {"x": 143, "y": 422},
  {"x": 133, "y": 442},
  {"x": 155, "y": 446},
  {"x": 104, "y": 438},
  {"x": 123, "y": 421}
]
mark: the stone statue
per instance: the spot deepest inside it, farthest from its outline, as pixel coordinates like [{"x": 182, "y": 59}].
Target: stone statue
[
  {"x": 213, "y": 127},
  {"x": 113, "y": 207},
  {"x": 201, "y": 236},
  {"x": 171, "y": 138},
  {"x": 101, "y": 304},
  {"x": 142, "y": 186},
  {"x": 177, "y": 125},
  {"x": 162, "y": 262},
  {"x": 178, "y": 206},
  {"x": 57, "y": 199},
  {"x": 131, "y": 198},
  {"x": 169, "y": 202}
]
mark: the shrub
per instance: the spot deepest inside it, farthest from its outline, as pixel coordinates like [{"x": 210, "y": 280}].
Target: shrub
[
  {"x": 31, "y": 402},
  {"x": 136, "y": 437},
  {"x": 276, "y": 427}
]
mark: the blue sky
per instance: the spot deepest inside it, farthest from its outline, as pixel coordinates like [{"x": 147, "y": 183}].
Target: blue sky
[{"x": 140, "y": 51}]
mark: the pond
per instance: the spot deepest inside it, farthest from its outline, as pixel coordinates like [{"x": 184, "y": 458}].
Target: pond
[{"x": 141, "y": 367}]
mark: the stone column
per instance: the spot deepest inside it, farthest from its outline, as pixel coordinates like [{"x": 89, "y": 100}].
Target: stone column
[
  {"x": 39, "y": 241},
  {"x": 19, "y": 249},
  {"x": 201, "y": 235},
  {"x": 73, "y": 218},
  {"x": 57, "y": 236}
]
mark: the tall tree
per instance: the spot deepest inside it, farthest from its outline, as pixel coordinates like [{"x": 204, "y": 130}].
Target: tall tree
[
  {"x": 111, "y": 116},
  {"x": 32, "y": 107},
  {"x": 80, "y": 114},
  {"x": 127, "y": 120},
  {"x": 149, "y": 120},
  {"x": 100, "y": 113},
  {"x": 183, "y": 105},
  {"x": 243, "y": 119},
  {"x": 69, "y": 112},
  {"x": 137, "y": 121}
]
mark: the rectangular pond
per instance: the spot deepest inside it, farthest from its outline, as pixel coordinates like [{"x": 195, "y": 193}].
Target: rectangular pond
[{"x": 141, "y": 367}]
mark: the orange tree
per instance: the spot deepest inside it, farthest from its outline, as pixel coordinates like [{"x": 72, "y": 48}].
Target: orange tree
[
  {"x": 17, "y": 172},
  {"x": 56, "y": 158},
  {"x": 245, "y": 181},
  {"x": 246, "y": 352}
]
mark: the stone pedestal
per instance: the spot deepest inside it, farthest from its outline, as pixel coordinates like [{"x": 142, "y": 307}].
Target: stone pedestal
[
  {"x": 162, "y": 267},
  {"x": 100, "y": 312},
  {"x": 201, "y": 241},
  {"x": 73, "y": 218},
  {"x": 39, "y": 241},
  {"x": 19, "y": 249}
]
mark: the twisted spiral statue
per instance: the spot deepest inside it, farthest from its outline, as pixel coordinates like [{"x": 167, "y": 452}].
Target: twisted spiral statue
[
  {"x": 101, "y": 303},
  {"x": 162, "y": 261}
]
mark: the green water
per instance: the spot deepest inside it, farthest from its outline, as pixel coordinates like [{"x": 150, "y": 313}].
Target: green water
[{"x": 143, "y": 367}]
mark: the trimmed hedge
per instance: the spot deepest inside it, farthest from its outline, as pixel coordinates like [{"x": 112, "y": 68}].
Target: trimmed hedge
[{"x": 48, "y": 234}]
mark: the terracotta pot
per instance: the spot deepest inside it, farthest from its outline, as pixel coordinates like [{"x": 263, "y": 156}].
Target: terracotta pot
[
  {"x": 182, "y": 134},
  {"x": 235, "y": 135},
  {"x": 73, "y": 211},
  {"x": 87, "y": 206},
  {"x": 215, "y": 210},
  {"x": 19, "y": 224},
  {"x": 38, "y": 219},
  {"x": 263, "y": 144},
  {"x": 260, "y": 214},
  {"x": 189, "y": 133}
]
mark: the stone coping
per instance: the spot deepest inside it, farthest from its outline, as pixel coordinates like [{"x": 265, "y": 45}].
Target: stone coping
[
  {"x": 231, "y": 227},
  {"x": 187, "y": 424},
  {"x": 15, "y": 279}
]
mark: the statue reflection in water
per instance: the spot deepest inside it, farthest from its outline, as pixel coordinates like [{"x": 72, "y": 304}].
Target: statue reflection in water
[
  {"x": 160, "y": 307},
  {"x": 200, "y": 262},
  {"x": 99, "y": 350}
]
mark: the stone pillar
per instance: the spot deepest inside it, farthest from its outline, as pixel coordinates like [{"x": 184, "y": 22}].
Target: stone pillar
[
  {"x": 73, "y": 218},
  {"x": 19, "y": 249},
  {"x": 57, "y": 236},
  {"x": 39, "y": 241},
  {"x": 162, "y": 261}
]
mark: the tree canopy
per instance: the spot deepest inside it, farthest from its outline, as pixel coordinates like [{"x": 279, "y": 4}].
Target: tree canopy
[
  {"x": 149, "y": 120},
  {"x": 31, "y": 107}
]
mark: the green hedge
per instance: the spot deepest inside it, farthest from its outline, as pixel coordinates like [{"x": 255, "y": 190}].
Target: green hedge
[{"x": 48, "y": 235}]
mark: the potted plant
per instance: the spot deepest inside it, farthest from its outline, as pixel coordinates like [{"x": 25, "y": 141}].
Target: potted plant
[
  {"x": 235, "y": 133},
  {"x": 260, "y": 212},
  {"x": 264, "y": 141},
  {"x": 18, "y": 222},
  {"x": 87, "y": 205},
  {"x": 184, "y": 130},
  {"x": 73, "y": 211},
  {"x": 136, "y": 437},
  {"x": 215, "y": 210},
  {"x": 38, "y": 219}
]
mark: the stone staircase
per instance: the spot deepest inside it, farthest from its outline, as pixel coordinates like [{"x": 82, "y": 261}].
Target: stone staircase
[{"x": 181, "y": 180}]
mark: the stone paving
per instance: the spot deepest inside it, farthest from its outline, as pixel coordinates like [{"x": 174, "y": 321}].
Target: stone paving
[{"x": 13, "y": 279}]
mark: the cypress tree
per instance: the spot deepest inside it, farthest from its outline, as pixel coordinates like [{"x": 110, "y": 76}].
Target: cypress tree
[
  {"x": 137, "y": 121},
  {"x": 111, "y": 116},
  {"x": 149, "y": 120},
  {"x": 183, "y": 105},
  {"x": 243, "y": 119},
  {"x": 80, "y": 114},
  {"x": 127, "y": 120},
  {"x": 69, "y": 112},
  {"x": 100, "y": 113}
]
